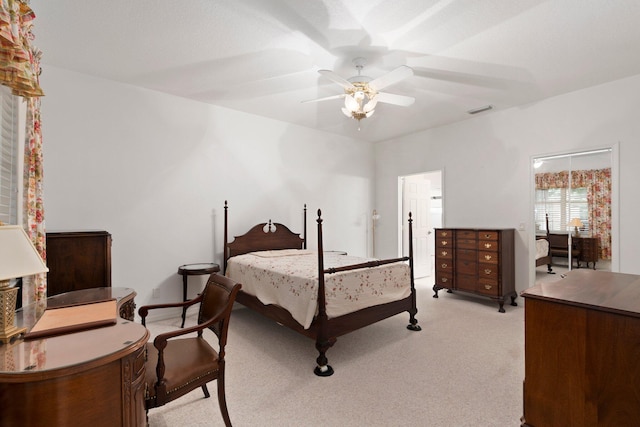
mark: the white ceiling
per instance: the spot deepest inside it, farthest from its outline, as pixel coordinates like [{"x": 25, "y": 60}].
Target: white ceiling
[{"x": 262, "y": 56}]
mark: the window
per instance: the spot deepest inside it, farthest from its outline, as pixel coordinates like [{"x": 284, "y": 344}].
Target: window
[
  {"x": 562, "y": 206},
  {"x": 9, "y": 144}
]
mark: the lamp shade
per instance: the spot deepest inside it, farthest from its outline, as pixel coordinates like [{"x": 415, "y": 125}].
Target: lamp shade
[
  {"x": 575, "y": 222},
  {"x": 18, "y": 256}
]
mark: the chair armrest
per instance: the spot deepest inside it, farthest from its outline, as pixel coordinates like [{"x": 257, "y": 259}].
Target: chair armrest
[
  {"x": 144, "y": 310},
  {"x": 160, "y": 341}
]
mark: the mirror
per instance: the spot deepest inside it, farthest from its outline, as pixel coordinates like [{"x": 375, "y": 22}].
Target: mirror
[{"x": 573, "y": 209}]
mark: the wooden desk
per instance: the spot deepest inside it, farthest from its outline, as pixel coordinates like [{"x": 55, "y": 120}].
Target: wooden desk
[
  {"x": 582, "y": 346},
  {"x": 90, "y": 378}
]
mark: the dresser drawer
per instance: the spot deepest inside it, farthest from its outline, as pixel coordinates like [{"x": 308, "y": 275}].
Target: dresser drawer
[
  {"x": 488, "y": 235},
  {"x": 444, "y": 242},
  {"x": 488, "y": 257},
  {"x": 466, "y": 267},
  {"x": 444, "y": 253},
  {"x": 466, "y": 234},
  {"x": 466, "y": 254},
  {"x": 488, "y": 245},
  {"x": 488, "y": 287},
  {"x": 443, "y": 233},
  {"x": 444, "y": 265},
  {"x": 444, "y": 279},
  {"x": 488, "y": 271},
  {"x": 466, "y": 282},
  {"x": 466, "y": 243}
]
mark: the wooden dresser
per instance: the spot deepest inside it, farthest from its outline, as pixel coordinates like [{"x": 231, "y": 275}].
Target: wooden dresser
[
  {"x": 582, "y": 351},
  {"x": 478, "y": 261},
  {"x": 78, "y": 260}
]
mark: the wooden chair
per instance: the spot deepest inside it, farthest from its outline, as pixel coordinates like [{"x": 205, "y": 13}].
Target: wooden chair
[{"x": 175, "y": 366}]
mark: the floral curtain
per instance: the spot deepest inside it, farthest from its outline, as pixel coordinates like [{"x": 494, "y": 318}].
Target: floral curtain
[
  {"x": 20, "y": 70},
  {"x": 598, "y": 185},
  {"x": 33, "y": 194}
]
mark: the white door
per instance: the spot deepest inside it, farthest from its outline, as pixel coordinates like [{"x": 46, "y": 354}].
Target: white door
[{"x": 417, "y": 200}]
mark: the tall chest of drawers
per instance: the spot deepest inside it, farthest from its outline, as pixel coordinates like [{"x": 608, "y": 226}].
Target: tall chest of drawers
[{"x": 478, "y": 261}]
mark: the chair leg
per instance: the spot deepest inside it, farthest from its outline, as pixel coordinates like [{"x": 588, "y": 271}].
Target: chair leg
[
  {"x": 222, "y": 400},
  {"x": 205, "y": 390}
]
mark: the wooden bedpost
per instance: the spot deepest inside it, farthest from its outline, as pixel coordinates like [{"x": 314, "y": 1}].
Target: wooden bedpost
[
  {"x": 323, "y": 342},
  {"x": 224, "y": 248},
  {"x": 304, "y": 227},
  {"x": 413, "y": 323}
]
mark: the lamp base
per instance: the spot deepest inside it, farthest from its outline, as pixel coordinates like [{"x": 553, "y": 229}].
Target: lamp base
[
  {"x": 8, "y": 334},
  {"x": 7, "y": 313}
]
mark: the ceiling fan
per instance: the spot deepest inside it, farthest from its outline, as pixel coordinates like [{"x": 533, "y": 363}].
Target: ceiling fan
[{"x": 362, "y": 93}]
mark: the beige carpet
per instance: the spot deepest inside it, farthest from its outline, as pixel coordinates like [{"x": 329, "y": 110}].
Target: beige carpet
[{"x": 465, "y": 368}]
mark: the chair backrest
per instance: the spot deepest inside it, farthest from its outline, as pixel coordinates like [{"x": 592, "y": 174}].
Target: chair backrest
[
  {"x": 558, "y": 241},
  {"x": 218, "y": 297}
]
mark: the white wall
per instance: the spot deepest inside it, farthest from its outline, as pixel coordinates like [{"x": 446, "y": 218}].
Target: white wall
[
  {"x": 486, "y": 165},
  {"x": 154, "y": 170}
]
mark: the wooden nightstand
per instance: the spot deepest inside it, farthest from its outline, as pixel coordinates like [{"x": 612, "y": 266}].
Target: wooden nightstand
[
  {"x": 194, "y": 270},
  {"x": 589, "y": 250}
]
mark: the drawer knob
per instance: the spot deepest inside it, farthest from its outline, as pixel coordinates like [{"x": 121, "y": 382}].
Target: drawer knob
[
  {"x": 487, "y": 287},
  {"x": 444, "y": 280},
  {"x": 488, "y": 257},
  {"x": 488, "y": 245},
  {"x": 487, "y": 271},
  {"x": 444, "y": 265},
  {"x": 444, "y": 253},
  {"x": 445, "y": 234},
  {"x": 444, "y": 243}
]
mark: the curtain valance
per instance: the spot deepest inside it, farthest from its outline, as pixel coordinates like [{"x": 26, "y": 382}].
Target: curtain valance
[{"x": 19, "y": 59}]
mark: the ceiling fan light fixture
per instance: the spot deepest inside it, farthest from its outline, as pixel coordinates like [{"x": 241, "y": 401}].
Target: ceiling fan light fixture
[
  {"x": 369, "y": 106},
  {"x": 362, "y": 93},
  {"x": 351, "y": 103}
]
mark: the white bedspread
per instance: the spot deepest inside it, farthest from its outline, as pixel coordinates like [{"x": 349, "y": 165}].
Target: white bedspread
[
  {"x": 289, "y": 278},
  {"x": 542, "y": 248}
]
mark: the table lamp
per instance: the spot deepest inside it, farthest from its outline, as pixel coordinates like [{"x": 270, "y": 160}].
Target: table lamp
[
  {"x": 18, "y": 258},
  {"x": 576, "y": 223}
]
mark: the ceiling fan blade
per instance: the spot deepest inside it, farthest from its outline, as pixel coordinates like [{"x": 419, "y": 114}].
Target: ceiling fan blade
[
  {"x": 394, "y": 76},
  {"x": 336, "y": 79},
  {"x": 324, "y": 99},
  {"x": 391, "y": 98}
]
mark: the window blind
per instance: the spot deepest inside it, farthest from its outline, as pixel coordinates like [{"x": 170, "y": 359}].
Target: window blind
[
  {"x": 562, "y": 206},
  {"x": 8, "y": 156}
]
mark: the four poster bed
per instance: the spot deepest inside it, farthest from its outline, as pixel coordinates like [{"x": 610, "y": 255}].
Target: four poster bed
[
  {"x": 321, "y": 295},
  {"x": 543, "y": 249}
]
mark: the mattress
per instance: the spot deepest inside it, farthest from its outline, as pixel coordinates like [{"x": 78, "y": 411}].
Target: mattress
[
  {"x": 542, "y": 248},
  {"x": 289, "y": 278}
]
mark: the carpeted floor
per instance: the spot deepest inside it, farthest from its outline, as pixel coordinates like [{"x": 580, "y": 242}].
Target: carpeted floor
[{"x": 465, "y": 368}]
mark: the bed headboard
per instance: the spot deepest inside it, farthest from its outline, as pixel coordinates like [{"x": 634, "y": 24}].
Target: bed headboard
[{"x": 262, "y": 237}]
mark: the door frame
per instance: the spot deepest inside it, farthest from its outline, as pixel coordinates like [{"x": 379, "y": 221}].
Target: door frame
[
  {"x": 436, "y": 176},
  {"x": 615, "y": 204}
]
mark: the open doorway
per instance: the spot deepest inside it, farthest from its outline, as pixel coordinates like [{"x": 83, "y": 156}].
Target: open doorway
[
  {"x": 420, "y": 194},
  {"x": 575, "y": 210}
]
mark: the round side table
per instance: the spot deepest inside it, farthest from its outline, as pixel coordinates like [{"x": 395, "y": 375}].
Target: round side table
[{"x": 194, "y": 270}]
